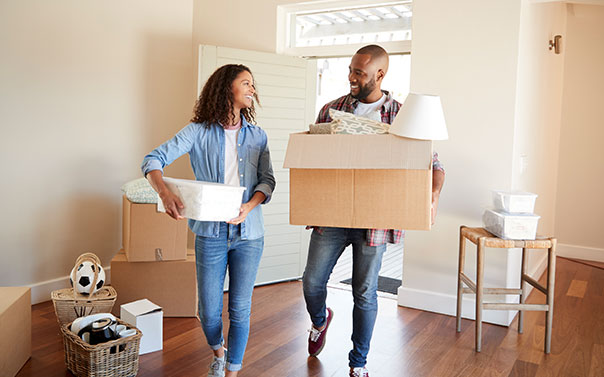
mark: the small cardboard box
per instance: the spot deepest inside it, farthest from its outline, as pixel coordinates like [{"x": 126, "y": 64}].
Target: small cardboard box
[
  {"x": 149, "y": 235},
  {"x": 205, "y": 201},
  {"x": 148, "y": 318},
  {"x": 360, "y": 181},
  {"x": 15, "y": 329},
  {"x": 170, "y": 284}
]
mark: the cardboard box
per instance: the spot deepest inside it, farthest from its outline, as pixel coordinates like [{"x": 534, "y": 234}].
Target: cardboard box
[
  {"x": 148, "y": 318},
  {"x": 149, "y": 235},
  {"x": 205, "y": 201},
  {"x": 170, "y": 284},
  {"x": 15, "y": 329},
  {"x": 360, "y": 181}
]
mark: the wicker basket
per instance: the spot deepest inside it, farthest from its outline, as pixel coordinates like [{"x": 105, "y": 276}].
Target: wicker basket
[
  {"x": 70, "y": 304},
  {"x": 116, "y": 358}
]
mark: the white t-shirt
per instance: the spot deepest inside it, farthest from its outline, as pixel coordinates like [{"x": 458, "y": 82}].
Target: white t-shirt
[
  {"x": 370, "y": 110},
  {"x": 231, "y": 162}
]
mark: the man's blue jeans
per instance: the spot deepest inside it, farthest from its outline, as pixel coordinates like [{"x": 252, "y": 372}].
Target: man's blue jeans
[
  {"x": 326, "y": 246},
  {"x": 242, "y": 257}
]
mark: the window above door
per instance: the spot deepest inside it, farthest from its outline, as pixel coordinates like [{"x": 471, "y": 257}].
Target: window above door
[{"x": 339, "y": 28}]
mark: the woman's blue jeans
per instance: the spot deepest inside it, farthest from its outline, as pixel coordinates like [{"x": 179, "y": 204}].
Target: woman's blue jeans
[
  {"x": 213, "y": 255},
  {"x": 326, "y": 246}
]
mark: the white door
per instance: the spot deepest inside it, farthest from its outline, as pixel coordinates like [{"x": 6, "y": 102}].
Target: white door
[{"x": 286, "y": 88}]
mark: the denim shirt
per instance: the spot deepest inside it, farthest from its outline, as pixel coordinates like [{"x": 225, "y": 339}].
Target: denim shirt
[{"x": 206, "y": 151}]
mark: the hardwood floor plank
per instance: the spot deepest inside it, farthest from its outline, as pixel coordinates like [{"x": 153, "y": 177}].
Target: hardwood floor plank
[
  {"x": 596, "y": 367},
  {"x": 406, "y": 342},
  {"x": 523, "y": 369},
  {"x": 577, "y": 288}
]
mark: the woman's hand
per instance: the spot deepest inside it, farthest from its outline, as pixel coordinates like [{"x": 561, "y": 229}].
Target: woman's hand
[
  {"x": 172, "y": 203},
  {"x": 256, "y": 199},
  {"x": 243, "y": 211}
]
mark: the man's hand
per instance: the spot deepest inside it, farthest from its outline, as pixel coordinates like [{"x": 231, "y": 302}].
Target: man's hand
[
  {"x": 172, "y": 204},
  {"x": 243, "y": 211},
  {"x": 434, "y": 209}
]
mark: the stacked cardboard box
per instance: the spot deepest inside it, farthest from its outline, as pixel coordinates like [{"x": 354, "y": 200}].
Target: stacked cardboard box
[
  {"x": 169, "y": 284},
  {"x": 15, "y": 329},
  {"x": 150, "y": 235},
  {"x": 155, "y": 263}
]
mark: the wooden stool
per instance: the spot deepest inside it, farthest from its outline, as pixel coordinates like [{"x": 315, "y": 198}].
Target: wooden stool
[{"x": 481, "y": 238}]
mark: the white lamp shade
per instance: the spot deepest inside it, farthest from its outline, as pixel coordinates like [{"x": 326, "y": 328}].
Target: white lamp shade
[{"x": 420, "y": 117}]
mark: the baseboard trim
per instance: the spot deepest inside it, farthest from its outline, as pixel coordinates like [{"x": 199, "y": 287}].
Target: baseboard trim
[
  {"x": 444, "y": 303},
  {"x": 40, "y": 292},
  {"x": 580, "y": 252}
]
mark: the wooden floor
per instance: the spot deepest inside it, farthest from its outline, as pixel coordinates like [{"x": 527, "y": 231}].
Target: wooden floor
[{"x": 406, "y": 342}]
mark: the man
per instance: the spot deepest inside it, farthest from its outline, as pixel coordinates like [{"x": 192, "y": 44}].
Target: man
[{"x": 366, "y": 73}]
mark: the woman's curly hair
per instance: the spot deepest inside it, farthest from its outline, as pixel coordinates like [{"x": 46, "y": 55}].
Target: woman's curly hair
[{"x": 215, "y": 103}]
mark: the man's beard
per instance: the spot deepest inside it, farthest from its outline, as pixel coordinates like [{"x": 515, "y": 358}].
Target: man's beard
[{"x": 365, "y": 90}]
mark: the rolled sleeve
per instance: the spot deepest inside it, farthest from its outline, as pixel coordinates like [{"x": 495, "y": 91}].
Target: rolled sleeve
[
  {"x": 436, "y": 164},
  {"x": 169, "y": 151},
  {"x": 266, "y": 179},
  {"x": 150, "y": 164}
]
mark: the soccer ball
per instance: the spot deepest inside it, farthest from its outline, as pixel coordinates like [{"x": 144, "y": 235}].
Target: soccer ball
[{"x": 85, "y": 277}]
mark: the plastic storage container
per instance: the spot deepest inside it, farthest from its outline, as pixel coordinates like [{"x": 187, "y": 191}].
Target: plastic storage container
[
  {"x": 511, "y": 226},
  {"x": 514, "y": 201},
  {"x": 205, "y": 201}
]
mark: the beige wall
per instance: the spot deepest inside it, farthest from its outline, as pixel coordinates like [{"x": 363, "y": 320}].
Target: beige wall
[
  {"x": 237, "y": 23},
  {"x": 466, "y": 52},
  {"x": 580, "y": 203},
  {"x": 501, "y": 91},
  {"x": 538, "y": 103},
  {"x": 88, "y": 87}
]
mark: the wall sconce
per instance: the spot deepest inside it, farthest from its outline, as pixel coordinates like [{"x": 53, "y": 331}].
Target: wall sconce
[{"x": 555, "y": 44}]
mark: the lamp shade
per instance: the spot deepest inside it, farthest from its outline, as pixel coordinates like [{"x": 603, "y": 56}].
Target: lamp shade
[{"x": 420, "y": 117}]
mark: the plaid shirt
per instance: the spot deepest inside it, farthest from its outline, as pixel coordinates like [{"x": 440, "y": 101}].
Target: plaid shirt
[{"x": 390, "y": 108}]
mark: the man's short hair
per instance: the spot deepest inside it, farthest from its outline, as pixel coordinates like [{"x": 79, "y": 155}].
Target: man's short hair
[{"x": 374, "y": 50}]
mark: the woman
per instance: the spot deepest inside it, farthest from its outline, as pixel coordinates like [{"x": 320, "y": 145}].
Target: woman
[{"x": 223, "y": 147}]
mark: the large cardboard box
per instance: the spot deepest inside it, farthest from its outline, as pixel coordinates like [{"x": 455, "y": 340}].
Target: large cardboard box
[
  {"x": 148, "y": 318},
  {"x": 15, "y": 329},
  {"x": 150, "y": 235},
  {"x": 170, "y": 284},
  {"x": 360, "y": 181}
]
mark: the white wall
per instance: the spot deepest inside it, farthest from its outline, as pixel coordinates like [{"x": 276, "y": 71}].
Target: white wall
[
  {"x": 88, "y": 88},
  {"x": 498, "y": 83},
  {"x": 580, "y": 204},
  {"x": 538, "y": 115},
  {"x": 475, "y": 75}
]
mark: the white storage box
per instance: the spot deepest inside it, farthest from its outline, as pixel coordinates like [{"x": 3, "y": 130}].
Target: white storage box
[
  {"x": 205, "y": 201},
  {"x": 148, "y": 318},
  {"x": 522, "y": 226},
  {"x": 514, "y": 201}
]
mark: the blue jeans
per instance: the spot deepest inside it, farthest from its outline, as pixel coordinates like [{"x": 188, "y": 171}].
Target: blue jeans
[
  {"x": 213, "y": 255},
  {"x": 325, "y": 248}
]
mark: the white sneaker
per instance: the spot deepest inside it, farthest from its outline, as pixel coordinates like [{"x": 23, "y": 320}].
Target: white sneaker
[
  {"x": 359, "y": 372},
  {"x": 217, "y": 367}
]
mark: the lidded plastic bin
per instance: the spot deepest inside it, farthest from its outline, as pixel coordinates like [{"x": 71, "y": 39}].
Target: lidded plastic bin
[
  {"x": 205, "y": 201},
  {"x": 519, "y": 226},
  {"x": 514, "y": 201}
]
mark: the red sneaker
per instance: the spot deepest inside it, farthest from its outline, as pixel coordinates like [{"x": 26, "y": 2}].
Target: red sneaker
[
  {"x": 316, "y": 339},
  {"x": 359, "y": 372}
]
